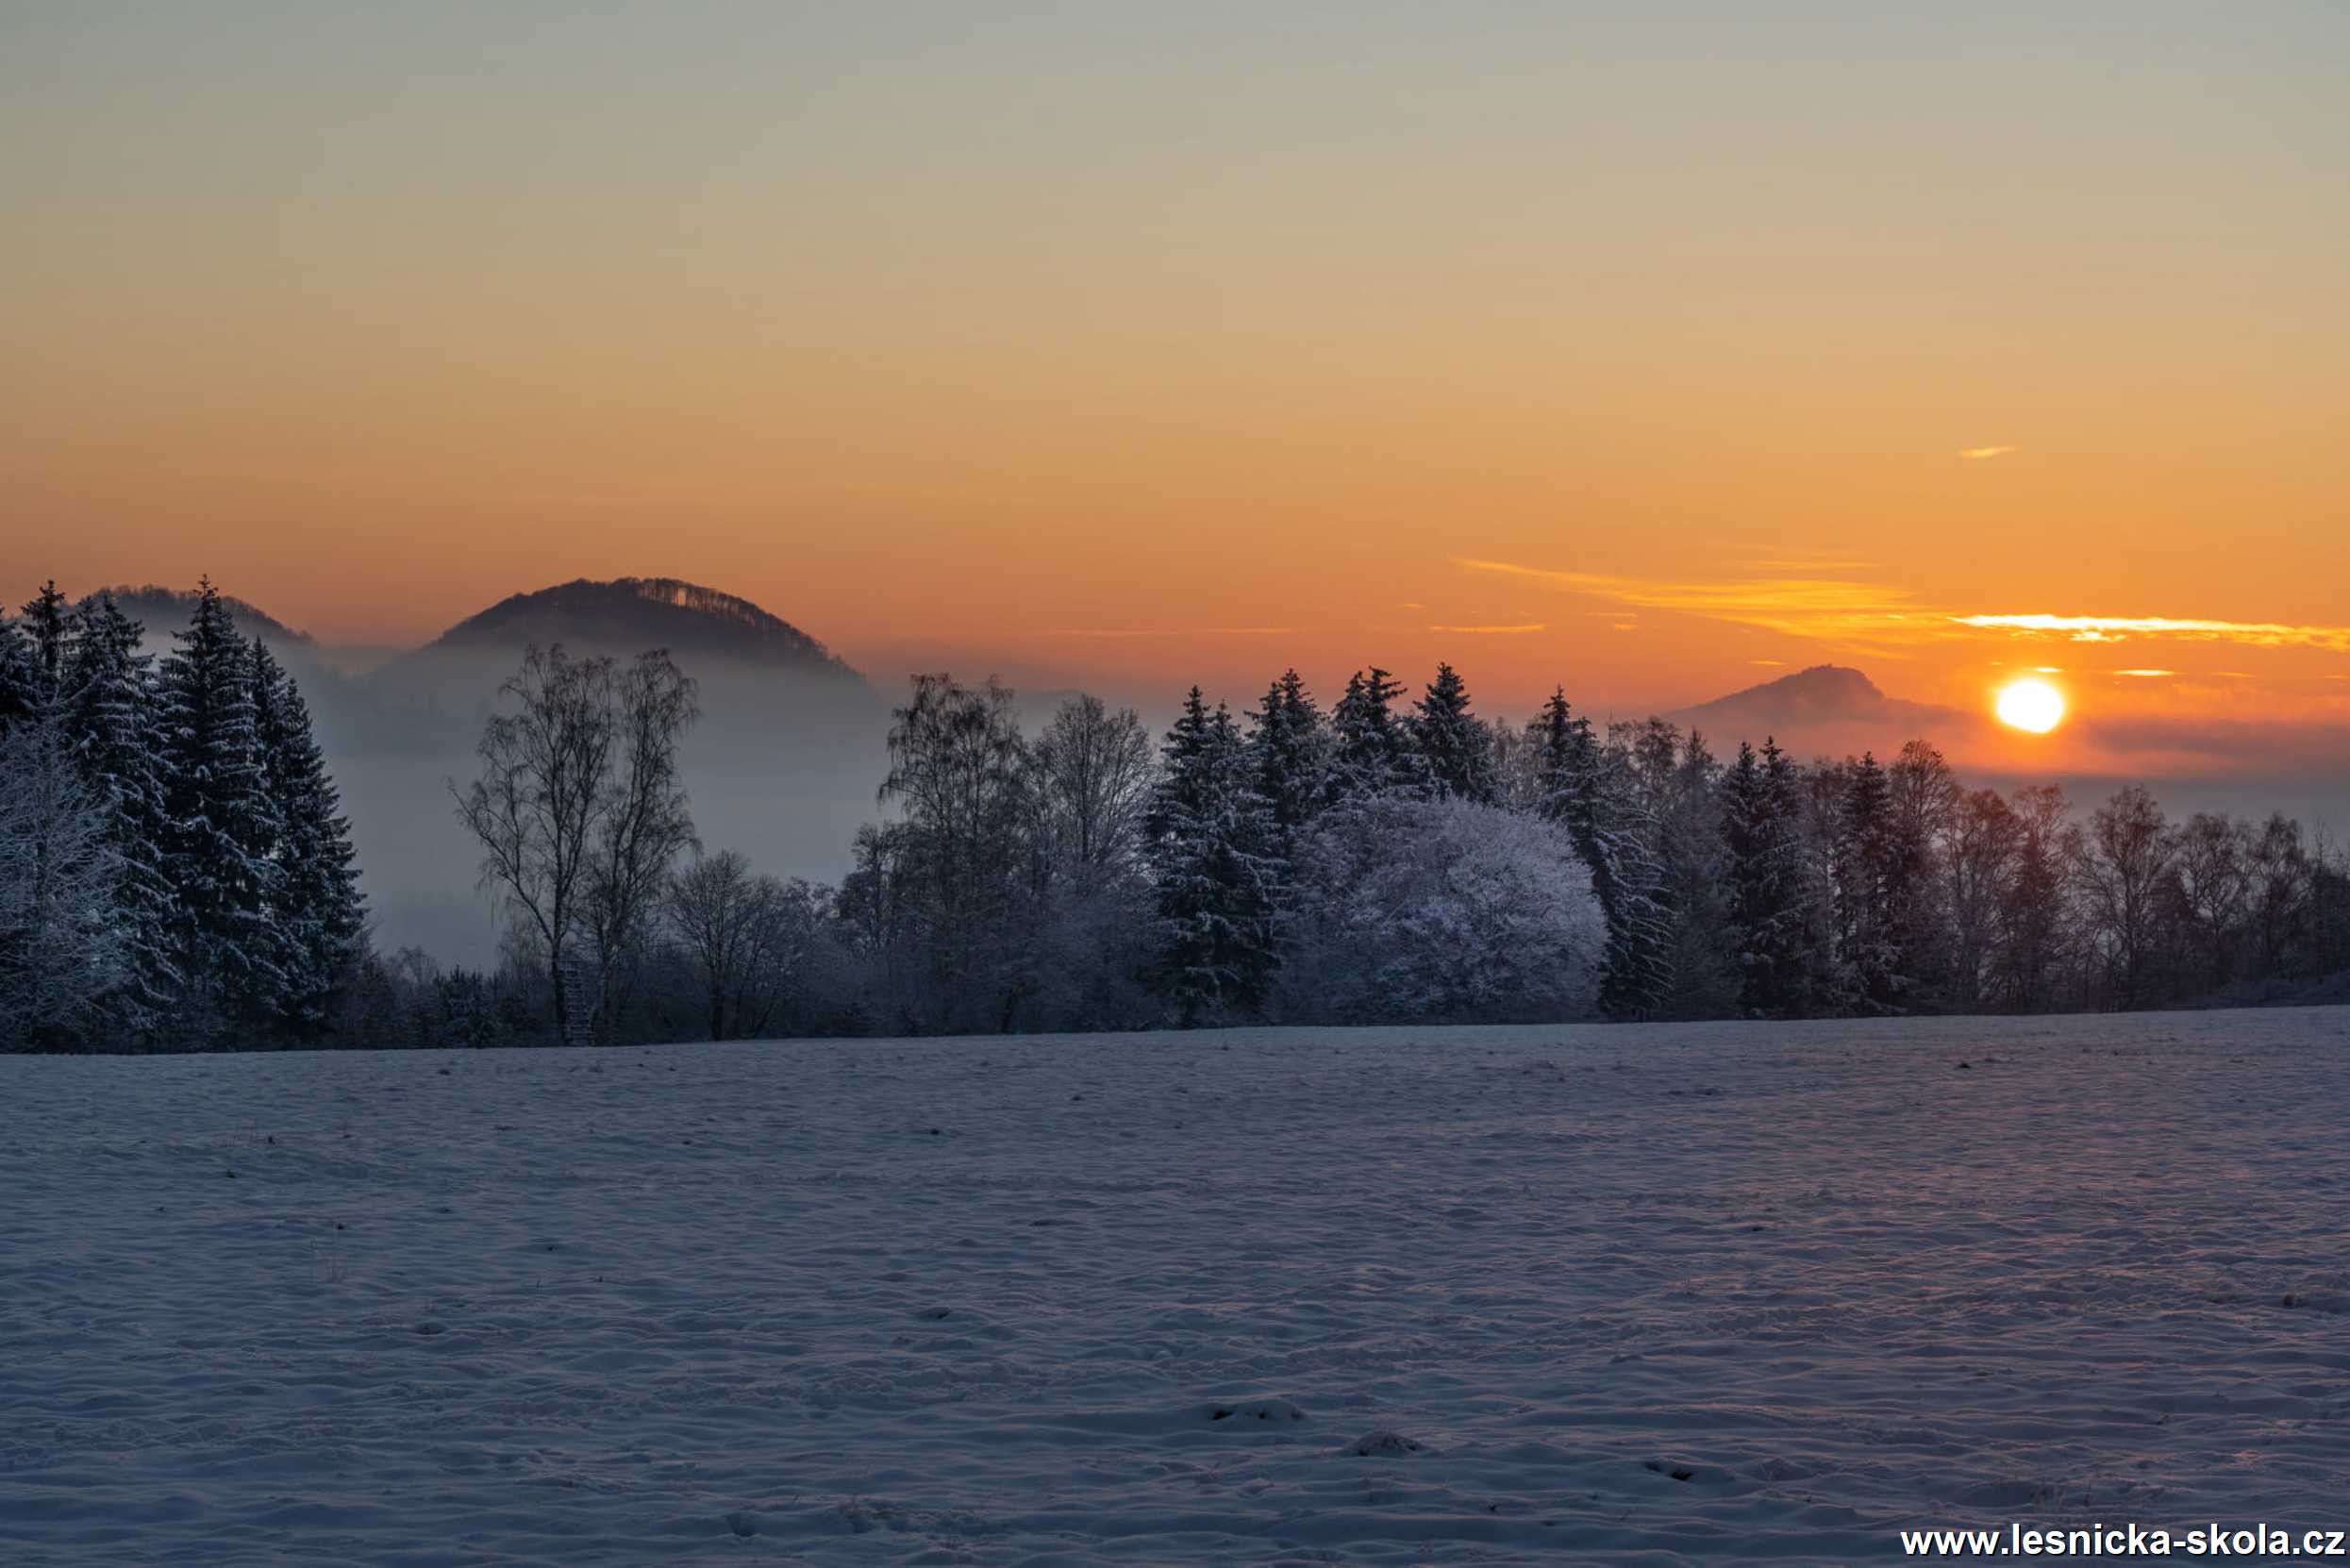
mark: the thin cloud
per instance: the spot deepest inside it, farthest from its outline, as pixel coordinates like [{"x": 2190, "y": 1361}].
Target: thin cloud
[
  {"x": 1497, "y": 631},
  {"x": 2116, "y": 628},
  {"x": 1816, "y": 607},
  {"x": 1887, "y": 619},
  {"x": 1156, "y": 631},
  {"x": 1801, "y": 564},
  {"x": 2146, "y": 675},
  {"x": 1978, "y": 453}
]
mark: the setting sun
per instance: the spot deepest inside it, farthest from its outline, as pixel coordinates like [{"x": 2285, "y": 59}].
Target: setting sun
[{"x": 2032, "y": 705}]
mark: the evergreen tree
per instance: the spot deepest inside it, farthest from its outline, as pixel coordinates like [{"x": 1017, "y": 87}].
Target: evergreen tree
[
  {"x": 116, "y": 736},
  {"x": 1211, "y": 835},
  {"x": 220, "y": 827},
  {"x": 1866, "y": 960},
  {"x": 47, "y": 625},
  {"x": 17, "y": 695},
  {"x": 1760, "y": 830},
  {"x": 1559, "y": 740},
  {"x": 1456, "y": 747},
  {"x": 1289, "y": 748},
  {"x": 1924, "y": 805},
  {"x": 318, "y": 914},
  {"x": 1695, "y": 868},
  {"x": 1371, "y": 754},
  {"x": 1593, "y": 790}
]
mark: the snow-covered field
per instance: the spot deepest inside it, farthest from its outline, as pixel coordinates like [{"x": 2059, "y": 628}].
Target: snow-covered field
[{"x": 1662, "y": 1295}]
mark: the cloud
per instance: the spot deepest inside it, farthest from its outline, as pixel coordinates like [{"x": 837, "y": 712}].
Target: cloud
[
  {"x": 2146, "y": 675},
  {"x": 1875, "y": 615},
  {"x": 1144, "y": 632},
  {"x": 1798, "y": 606},
  {"x": 1495, "y": 631},
  {"x": 2116, "y": 628},
  {"x": 1978, "y": 453}
]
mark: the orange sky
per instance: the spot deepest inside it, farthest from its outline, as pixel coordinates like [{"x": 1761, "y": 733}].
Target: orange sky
[{"x": 1656, "y": 354}]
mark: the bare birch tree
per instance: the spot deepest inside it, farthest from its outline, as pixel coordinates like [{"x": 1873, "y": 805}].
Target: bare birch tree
[{"x": 580, "y": 809}]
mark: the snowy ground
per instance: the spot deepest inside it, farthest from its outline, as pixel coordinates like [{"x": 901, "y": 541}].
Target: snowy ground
[{"x": 1660, "y": 1294}]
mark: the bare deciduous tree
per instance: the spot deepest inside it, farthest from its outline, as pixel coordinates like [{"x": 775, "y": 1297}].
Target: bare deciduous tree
[
  {"x": 2123, "y": 864},
  {"x": 1094, "y": 772},
  {"x": 647, "y": 821},
  {"x": 578, "y": 809},
  {"x": 717, "y": 908}
]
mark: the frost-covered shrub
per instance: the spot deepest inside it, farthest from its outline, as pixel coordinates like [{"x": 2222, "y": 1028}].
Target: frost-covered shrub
[{"x": 1439, "y": 911}]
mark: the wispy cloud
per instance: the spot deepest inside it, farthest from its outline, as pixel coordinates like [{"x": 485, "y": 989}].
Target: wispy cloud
[
  {"x": 1885, "y": 619},
  {"x": 2146, "y": 675},
  {"x": 1497, "y": 631},
  {"x": 1802, "y": 565},
  {"x": 1820, "y": 606},
  {"x": 1145, "y": 632},
  {"x": 1978, "y": 453},
  {"x": 2116, "y": 628}
]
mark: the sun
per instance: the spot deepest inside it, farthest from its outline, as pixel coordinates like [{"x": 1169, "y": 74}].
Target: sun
[{"x": 2032, "y": 705}]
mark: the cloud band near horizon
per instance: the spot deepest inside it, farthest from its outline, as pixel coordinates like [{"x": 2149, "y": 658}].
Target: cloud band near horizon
[{"x": 1866, "y": 615}]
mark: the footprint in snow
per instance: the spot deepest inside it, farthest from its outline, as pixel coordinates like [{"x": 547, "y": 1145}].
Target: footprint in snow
[{"x": 1252, "y": 1413}]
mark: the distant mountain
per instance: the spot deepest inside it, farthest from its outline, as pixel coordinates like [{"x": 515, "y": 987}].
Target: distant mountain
[
  {"x": 631, "y": 614},
  {"x": 165, "y": 610},
  {"x": 1811, "y": 706}
]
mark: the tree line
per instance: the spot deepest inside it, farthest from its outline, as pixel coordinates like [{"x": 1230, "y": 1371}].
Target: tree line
[
  {"x": 174, "y": 869},
  {"x": 1396, "y": 859},
  {"x": 176, "y": 872}
]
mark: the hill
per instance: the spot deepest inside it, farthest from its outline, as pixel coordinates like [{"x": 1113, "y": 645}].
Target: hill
[
  {"x": 165, "y": 610},
  {"x": 1827, "y": 701},
  {"x": 630, "y": 614}
]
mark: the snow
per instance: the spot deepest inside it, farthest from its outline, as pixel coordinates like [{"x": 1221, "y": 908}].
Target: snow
[{"x": 1662, "y": 1294}]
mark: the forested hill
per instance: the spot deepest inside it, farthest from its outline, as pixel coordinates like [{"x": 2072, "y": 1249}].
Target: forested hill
[{"x": 629, "y": 614}]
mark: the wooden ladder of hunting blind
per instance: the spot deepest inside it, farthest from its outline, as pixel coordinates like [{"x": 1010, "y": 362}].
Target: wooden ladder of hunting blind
[{"x": 580, "y": 1001}]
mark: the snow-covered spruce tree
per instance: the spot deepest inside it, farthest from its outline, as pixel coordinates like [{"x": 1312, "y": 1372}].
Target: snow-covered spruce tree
[
  {"x": 1761, "y": 830},
  {"x": 318, "y": 914},
  {"x": 220, "y": 830},
  {"x": 16, "y": 676},
  {"x": 1455, "y": 745},
  {"x": 1858, "y": 856},
  {"x": 1925, "y": 806},
  {"x": 1290, "y": 762},
  {"x": 47, "y": 626},
  {"x": 1289, "y": 754},
  {"x": 1591, "y": 790},
  {"x": 1695, "y": 868},
  {"x": 1371, "y": 753},
  {"x": 1211, "y": 839},
  {"x": 61, "y": 950},
  {"x": 115, "y": 726}
]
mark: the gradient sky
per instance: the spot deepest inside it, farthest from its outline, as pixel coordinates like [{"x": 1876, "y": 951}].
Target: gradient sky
[{"x": 1657, "y": 348}]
